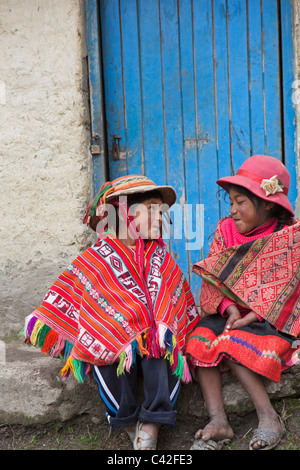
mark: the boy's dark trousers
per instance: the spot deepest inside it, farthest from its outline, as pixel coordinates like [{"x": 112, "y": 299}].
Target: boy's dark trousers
[{"x": 119, "y": 394}]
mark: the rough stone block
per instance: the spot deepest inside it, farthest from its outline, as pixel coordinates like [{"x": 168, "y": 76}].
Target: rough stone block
[{"x": 31, "y": 391}]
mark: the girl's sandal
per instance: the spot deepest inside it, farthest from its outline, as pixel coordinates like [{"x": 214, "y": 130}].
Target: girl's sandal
[
  {"x": 199, "y": 444},
  {"x": 143, "y": 440},
  {"x": 271, "y": 438}
]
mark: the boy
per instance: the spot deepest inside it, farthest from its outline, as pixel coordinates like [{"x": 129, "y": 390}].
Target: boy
[{"x": 123, "y": 305}]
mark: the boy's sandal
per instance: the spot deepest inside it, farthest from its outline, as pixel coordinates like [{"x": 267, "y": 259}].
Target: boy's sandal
[
  {"x": 271, "y": 438},
  {"x": 199, "y": 444},
  {"x": 143, "y": 440},
  {"x": 131, "y": 435}
]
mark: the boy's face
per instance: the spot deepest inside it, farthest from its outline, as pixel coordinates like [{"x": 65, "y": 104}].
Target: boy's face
[{"x": 148, "y": 218}]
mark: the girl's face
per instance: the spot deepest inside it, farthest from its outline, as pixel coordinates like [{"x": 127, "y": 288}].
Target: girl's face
[
  {"x": 148, "y": 218},
  {"x": 244, "y": 212}
]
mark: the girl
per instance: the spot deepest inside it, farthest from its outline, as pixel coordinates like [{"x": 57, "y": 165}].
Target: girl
[
  {"x": 123, "y": 306},
  {"x": 249, "y": 299}
]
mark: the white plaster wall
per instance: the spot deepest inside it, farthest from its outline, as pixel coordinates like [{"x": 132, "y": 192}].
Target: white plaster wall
[{"x": 44, "y": 158}]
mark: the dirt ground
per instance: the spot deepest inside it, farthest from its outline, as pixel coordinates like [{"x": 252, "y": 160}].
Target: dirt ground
[{"x": 88, "y": 433}]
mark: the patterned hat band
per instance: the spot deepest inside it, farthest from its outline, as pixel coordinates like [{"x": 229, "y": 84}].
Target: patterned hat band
[
  {"x": 272, "y": 185},
  {"x": 125, "y": 186}
]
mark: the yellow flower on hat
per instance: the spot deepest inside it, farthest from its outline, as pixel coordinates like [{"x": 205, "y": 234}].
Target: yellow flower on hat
[{"x": 272, "y": 185}]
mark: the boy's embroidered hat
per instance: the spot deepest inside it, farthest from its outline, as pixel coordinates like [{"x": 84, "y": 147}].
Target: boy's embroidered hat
[
  {"x": 124, "y": 186},
  {"x": 266, "y": 177}
]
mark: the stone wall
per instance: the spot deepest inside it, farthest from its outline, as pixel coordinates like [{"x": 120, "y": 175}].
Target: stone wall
[{"x": 45, "y": 167}]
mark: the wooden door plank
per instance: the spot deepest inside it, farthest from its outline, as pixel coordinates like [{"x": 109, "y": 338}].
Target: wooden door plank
[
  {"x": 131, "y": 87},
  {"x": 271, "y": 79},
  {"x": 189, "y": 126},
  {"x": 256, "y": 82},
  {"x": 290, "y": 159},
  {"x": 206, "y": 123},
  {"x": 172, "y": 114},
  {"x": 151, "y": 88},
  {"x": 238, "y": 73},
  {"x": 100, "y": 170},
  {"x": 223, "y": 119},
  {"x": 113, "y": 84}
]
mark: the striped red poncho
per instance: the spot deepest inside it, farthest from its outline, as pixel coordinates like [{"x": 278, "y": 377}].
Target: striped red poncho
[{"x": 96, "y": 312}]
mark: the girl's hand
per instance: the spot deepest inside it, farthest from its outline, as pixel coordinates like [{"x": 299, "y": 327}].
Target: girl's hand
[
  {"x": 245, "y": 321},
  {"x": 234, "y": 316},
  {"x": 235, "y": 322}
]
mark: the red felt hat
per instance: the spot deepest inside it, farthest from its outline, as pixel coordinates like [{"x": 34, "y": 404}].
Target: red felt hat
[{"x": 264, "y": 176}]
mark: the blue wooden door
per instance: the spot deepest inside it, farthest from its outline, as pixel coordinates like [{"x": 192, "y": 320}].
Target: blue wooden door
[{"x": 191, "y": 89}]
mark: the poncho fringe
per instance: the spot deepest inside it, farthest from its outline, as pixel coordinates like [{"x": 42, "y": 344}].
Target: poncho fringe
[{"x": 50, "y": 342}]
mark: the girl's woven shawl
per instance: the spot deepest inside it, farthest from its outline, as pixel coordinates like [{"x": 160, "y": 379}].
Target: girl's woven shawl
[
  {"x": 97, "y": 309},
  {"x": 262, "y": 275}
]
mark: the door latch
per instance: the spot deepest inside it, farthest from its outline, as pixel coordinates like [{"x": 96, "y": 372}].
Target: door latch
[{"x": 115, "y": 149}]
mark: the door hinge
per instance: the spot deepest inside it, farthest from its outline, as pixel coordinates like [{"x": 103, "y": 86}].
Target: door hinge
[
  {"x": 95, "y": 146},
  {"x": 95, "y": 149}
]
